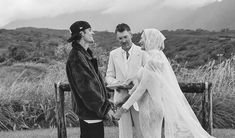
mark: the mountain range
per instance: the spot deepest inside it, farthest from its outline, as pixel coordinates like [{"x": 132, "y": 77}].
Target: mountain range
[
  {"x": 215, "y": 16},
  {"x": 191, "y": 47}
]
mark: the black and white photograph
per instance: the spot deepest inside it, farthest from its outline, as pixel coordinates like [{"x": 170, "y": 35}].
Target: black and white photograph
[{"x": 117, "y": 69}]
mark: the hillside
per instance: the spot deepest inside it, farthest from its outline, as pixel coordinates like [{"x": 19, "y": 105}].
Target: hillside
[
  {"x": 200, "y": 46},
  {"x": 196, "y": 47},
  {"x": 213, "y": 16}
]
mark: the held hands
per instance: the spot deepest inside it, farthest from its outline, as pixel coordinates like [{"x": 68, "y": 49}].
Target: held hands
[
  {"x": 119, "y": 112},
  {"x": 120, "y": 109},
  {"x": 131, "y": 81},
  {"x": 109, "y": 115}
]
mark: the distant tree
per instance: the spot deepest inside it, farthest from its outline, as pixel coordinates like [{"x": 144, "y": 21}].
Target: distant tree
[
  {"x": 2, "y": 58},
  {"x": 224, "y": 30},
  {"x": 38, "y": 45},
  {"x": 12, "y": 51},
  {"x": 17, "y": 53},
  {"x": 136, "y": 38},
  {"x": 62, "y": 52}
]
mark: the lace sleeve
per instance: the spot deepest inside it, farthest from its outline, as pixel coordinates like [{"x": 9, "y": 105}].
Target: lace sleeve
[
  {"x": 136, "y": 80},
  {"x": 155, "y": 65},
  {"x": 140, "y": 90}
]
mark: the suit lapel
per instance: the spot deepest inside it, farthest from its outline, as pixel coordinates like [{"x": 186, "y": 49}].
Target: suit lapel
[
  {"x": 133, "y": 55},
  {"x": 126, "y": 68},
  {"x": 120, "y": 61}
]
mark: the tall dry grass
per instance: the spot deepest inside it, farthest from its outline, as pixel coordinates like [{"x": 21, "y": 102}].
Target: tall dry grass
[
  {"x": 222, "y": 77},
  {"x": 27, "y": 92},
  {"x": 30, "y": 81}
]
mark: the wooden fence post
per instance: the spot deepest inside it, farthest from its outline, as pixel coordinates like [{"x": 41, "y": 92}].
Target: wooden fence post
[
  {"x": 208, "y": 94},
  {"x": 57, "y": 110},
  {"x": 203, "y": 88},
  {"x": 61, "y": 128}
]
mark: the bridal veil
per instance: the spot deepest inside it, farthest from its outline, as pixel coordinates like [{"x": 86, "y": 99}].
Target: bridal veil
[{"x": 180, "y": 120}]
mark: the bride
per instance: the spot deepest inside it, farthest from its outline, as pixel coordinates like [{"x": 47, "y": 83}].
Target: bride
[{"x": 159, "y": 96}]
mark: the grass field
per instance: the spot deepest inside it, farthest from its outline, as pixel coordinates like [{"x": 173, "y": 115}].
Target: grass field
[
  {"x": 27, "y": 95},
  {"x": 110, "y": 132}
]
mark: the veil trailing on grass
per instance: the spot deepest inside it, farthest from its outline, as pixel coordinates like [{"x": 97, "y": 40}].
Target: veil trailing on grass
[{"x": 180, "y": 120}]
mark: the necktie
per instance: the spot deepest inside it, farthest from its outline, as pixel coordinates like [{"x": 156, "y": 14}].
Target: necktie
[{"x": 127, "y": 54}]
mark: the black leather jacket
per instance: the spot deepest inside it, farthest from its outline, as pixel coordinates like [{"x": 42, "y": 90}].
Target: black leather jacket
[{"x": 89, "y": 97}]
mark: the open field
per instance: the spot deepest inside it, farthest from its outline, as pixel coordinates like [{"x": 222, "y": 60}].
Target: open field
[
  {"x": 27, "y": 99},
  {"x": 110, "y": 132}
]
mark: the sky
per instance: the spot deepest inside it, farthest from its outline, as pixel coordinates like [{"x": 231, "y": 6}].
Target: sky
[{"x": 102, "y": 14}]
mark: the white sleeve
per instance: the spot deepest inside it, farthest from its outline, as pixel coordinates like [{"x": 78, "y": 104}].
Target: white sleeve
[
  {"x": 111, "y": 72},
  {"x": 138, "y": 79},
  {"x": 140, "y": 90},
  {"x": 145, "y": 58}
]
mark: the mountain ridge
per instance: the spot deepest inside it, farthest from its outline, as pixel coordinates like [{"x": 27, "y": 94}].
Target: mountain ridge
[{"x": 196, "y": 47}]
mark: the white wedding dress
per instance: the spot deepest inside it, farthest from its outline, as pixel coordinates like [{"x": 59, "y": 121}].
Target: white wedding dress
[{"x": 159, "y": 96}]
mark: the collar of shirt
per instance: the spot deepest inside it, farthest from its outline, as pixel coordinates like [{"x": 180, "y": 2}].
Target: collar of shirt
[{"x": 130, "y": 51}]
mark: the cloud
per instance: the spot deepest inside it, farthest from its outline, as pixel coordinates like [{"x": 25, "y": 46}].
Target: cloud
[
  {"x": 11, "y": 10},
  {"x": 120, "y": 6},
  {"x": 193, "y": 4}
]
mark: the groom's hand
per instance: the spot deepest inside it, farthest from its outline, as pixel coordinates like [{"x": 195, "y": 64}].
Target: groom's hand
[
  {"x": 109, "y": 115},
  {"x": 120, "y": 89},
  {"x": 119, "y": 112}
]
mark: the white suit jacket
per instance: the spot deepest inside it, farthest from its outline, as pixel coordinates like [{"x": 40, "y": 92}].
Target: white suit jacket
[{"x": 119, "y": 69}]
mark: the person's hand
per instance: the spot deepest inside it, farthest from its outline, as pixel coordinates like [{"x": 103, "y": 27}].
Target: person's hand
[
  {"x": 119, "y": 113},
  {"x": 121, "y": 89},
  {"x": 119, "y": 104},
  {"x": 130, "y": 80},
  {"x": 109, "y": 115}
]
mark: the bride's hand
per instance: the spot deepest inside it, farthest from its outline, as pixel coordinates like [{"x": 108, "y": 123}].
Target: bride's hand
[
  {"x": 129, "y": 80},
  {"x": 119, "y": 112}
]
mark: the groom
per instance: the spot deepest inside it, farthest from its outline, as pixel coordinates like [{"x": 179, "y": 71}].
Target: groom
[
  {"x": 89, "y": 98},
  {"x": 124, "y": 63}
]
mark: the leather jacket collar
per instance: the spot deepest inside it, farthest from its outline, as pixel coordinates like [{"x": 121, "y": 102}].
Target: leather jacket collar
[{"x": 88, "y": 53}]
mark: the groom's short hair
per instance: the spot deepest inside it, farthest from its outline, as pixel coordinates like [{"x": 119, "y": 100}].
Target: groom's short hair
[{"x": 122, "y": 27}]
